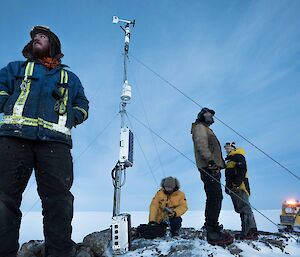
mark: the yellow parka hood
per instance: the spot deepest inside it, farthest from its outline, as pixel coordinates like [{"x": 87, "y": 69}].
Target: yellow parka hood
[{"x": 237, "y": 151}]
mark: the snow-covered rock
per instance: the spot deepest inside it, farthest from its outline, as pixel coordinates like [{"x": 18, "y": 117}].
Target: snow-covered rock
[{"x": 190, "y": 242}]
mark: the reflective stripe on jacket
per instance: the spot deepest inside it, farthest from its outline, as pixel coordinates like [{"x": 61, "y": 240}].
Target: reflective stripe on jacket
[
  {"x": 236, "y": 170},
  {"x": 176, "y": 201},
  {"x": 28, "y": 97}
]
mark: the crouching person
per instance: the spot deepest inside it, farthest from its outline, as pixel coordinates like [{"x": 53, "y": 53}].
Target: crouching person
[
  {"x": 237, "y": 186},
  {"x": 168, "y": 204}
]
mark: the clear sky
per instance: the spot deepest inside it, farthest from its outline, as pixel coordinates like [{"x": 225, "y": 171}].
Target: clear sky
[{"x": 241, "y": 58}]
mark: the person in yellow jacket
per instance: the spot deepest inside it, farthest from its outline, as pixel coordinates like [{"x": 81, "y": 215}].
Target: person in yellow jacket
[
  {"x": 169, "y": 203},
  {"x": 237, "y": 186}
]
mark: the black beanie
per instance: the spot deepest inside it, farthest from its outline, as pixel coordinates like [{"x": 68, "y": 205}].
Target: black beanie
[{"x": 200, "y": 117}]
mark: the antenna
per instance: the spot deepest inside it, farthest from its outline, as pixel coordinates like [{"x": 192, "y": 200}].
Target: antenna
[{"x": 121, "y": 223}]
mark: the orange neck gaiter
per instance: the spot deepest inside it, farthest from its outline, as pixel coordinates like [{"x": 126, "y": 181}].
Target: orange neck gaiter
[{"x": 50, "y": 62}]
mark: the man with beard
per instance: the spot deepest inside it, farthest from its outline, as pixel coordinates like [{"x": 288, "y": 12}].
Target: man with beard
[
  {"x": 41, "y": 101},
  {"x": 209, "y": 161},
  {"x": 169, "y": 203}
]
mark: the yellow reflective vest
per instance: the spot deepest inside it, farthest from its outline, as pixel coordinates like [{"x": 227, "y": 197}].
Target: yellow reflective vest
[{"x": 40, "y": 104}]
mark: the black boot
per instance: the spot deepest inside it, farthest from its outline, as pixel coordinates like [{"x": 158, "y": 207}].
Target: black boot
[
  {"x": 217, "y": 237},
  {"x": 218, "y": 227},
  {"x": 251, "y": 235},
  {"x": 175, "y": 233}
]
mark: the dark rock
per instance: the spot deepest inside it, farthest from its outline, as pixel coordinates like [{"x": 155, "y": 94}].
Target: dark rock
[
  {"x": 234, "y": 250},
  {"x": 254, "y": 246},
  {"x": 179, "y": 250},
  {"x": 83, "y": 251},
  {"x": 188, "y": 243},
  {"x": 134, "y": 233},
  {"x": 34, "y": 248},
  {"x": 98, "y": 242},
  {"x": 274, "y": 242},
  {"x": 191, "y": 233}
]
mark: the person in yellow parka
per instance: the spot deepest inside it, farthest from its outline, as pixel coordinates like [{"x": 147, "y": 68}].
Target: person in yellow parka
[
  {"x": 169, "y": 203},
  {"x": 237, "y": 186}
]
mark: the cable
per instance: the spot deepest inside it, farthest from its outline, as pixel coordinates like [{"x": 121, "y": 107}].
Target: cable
[
  {"x": 124, "y": 179},
  {"x": 76, "y": 159},
  {"x": 232, "y": 129},
  {"x": 93, "y": 141},
  {"x": 147, "y": 162},
  {"x": 113, "y": 174},
  {"x": 152, "y": 137},
  {"x": 33, "y": 182},
  {"x": 201, "y": 169}
]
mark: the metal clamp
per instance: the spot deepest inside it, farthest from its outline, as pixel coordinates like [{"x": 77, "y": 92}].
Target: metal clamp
[{"x": 24, "y": 83}]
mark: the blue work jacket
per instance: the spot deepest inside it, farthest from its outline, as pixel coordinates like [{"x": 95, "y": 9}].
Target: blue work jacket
[{"x": 40, "y": 104}]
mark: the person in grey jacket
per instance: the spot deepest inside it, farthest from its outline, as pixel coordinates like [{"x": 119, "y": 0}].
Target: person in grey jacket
[{"x": 209, "y": 161}]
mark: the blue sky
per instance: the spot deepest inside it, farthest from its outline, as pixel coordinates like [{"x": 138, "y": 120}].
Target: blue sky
[{"x": 241, "y": 58}]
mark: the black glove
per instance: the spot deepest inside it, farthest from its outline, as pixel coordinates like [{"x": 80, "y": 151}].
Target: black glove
[
  {"x": 172, "y": 215},
  {"x": 213, "y": 169},
  {"x": 212, "y": 165},
  {"x": 234, "y": 188}
]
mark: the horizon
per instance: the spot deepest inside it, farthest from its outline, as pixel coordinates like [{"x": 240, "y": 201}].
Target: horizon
[
  {"x": 239, "y": 58},
  {"x": 85, "y": 223}
]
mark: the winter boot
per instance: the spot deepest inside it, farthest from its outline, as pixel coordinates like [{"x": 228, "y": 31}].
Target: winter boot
[
  {"x": 251, "y": 235},
  {"x": 175, "y": 233},
  {"x": 218, "y": 227},
  {"x": 216, "y": 237}
]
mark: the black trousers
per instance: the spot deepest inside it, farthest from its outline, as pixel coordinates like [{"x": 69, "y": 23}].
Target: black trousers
[
  {"x": 214, "y": 197},
  {"x": 52, "y": 162},
  {"x": 175, "y": 223}
]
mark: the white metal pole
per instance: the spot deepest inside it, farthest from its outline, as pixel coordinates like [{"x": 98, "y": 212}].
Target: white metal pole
[{"x": 124, "y": 100}]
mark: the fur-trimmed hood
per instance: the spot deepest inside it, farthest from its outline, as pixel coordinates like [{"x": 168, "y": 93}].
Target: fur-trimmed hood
[
  {"x": 176, "y": 182},
  {"x": 55, "y": 45}
]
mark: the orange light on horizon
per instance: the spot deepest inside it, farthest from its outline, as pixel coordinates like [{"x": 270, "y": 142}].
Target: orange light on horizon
[{"x": 291, "y": 202}]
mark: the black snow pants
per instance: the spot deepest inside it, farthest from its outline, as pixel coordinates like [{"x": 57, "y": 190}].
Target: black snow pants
[
  {"x": 52, "y": 162},
  {"x": 214, "y": 197},
  {"x": 175, "y": 223}
]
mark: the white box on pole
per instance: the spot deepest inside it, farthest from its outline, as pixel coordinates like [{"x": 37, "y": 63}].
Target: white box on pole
[
  {"x": 126, "y": 147},
  {"x": 121, "y": 233}
]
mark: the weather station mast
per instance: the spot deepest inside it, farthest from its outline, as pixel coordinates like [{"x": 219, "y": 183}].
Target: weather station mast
[{"x": 121, "y": 223}]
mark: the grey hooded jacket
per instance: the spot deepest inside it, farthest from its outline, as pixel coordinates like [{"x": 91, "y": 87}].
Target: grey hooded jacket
[{"x": 206, "y": 146}]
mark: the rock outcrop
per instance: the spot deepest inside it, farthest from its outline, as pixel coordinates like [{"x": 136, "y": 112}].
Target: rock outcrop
[{"x": 191, "y": 242}]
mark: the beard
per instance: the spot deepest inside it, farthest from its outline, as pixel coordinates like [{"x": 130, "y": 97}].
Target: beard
[
  {"x": 209, "y": 120},
  {"x": 40, "y": 52},
  {"x": 168, "y": 192}
]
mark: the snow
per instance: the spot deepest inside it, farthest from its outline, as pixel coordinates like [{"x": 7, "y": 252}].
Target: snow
[
  {"x": 85, "y": 223},
  {"x": 200, "y": 248}
]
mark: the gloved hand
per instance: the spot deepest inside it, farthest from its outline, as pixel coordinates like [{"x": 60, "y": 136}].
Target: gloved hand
[
  {"x": 152, "y": 223},
  {"x": 213, "y": 168},
  {"x": 169, "y": 211},
  {"x": 234, "y": 188},
  {"x": 212, "y": 165},
  {"x": 172, "y": 214}
]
